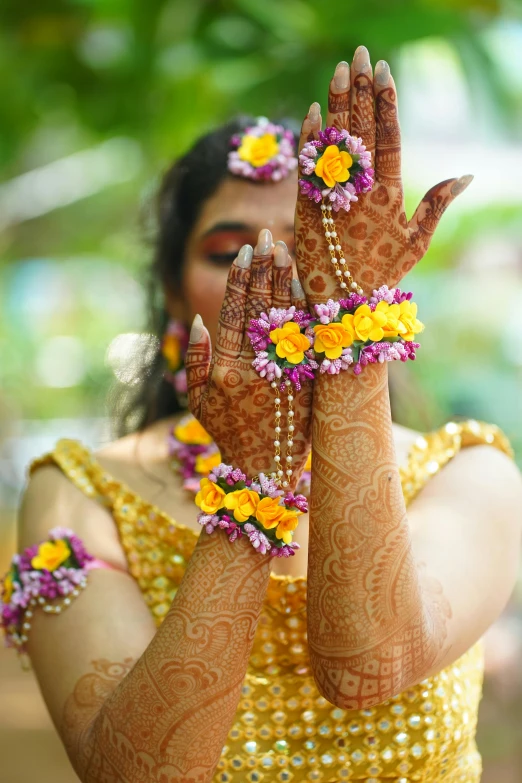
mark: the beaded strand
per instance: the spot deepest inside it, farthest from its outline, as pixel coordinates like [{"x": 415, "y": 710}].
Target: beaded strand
[{"x": 336, "y": 251}]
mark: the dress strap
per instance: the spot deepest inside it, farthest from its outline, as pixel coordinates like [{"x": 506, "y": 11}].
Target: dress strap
[{"x": 82, "y": 469}]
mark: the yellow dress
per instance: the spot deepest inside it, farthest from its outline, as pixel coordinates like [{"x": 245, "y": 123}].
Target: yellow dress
[{"x": 283, "y": 729}]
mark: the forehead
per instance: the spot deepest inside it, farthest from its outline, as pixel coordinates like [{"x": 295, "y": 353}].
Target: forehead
[{"x": 259, "y": 205}]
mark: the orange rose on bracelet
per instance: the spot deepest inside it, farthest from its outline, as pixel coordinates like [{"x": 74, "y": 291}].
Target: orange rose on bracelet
[
  {"x": 256, "y": 508},
  {"x": 337, "y": 168},
  {"x": 292, "y": 346}
]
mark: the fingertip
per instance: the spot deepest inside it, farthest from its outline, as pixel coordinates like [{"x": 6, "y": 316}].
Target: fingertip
[
  {"x": 244, "y": 257},
  {"x": 264, "y": 243},
  {"x": 281, "y": 257},
  {"x": 197, "y": 329},
  {"x": 461, "y": 184}
]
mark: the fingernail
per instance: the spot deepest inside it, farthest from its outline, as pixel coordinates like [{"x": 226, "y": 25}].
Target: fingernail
[
  {"x": 297, "y": 289},
  {"x": 196, "y": 330},
  {"x": 244, "y": 257},
  {"x": 342, "y": 76},
  {"x": 264, "y": 243},
  {"x": 461, "y": 184},
  {"x": 314, "y": 112},
  {"x": 382, "y": 73},
  {"x": 361, "y": 60},
  {"x": 280, "y": 254}
]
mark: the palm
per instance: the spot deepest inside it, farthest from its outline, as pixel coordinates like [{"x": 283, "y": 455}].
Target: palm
[
  {"x": 232, "y": 402},
  {"x": 379, "y": 243}
]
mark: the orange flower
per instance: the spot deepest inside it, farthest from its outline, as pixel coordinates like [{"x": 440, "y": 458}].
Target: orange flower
[
  {"x": 258, "y": 150},
  {"x": 270, "y": 512},
  {"x": 243, "y": 503},
  {"x": 286, "y": 527},
  {"x": 204, "y": 464},
  {"x": 171, "y": 350},
  {"x": 366, "y": 324},
  {"x": 408, "y": 317},
  {"x": 333, "y": 166},
  {"x": 291, "y": 344},
  {"x": 210, "y": 497},
  {"x": 332, "y": 338},
  {"x": 191, "y": 431},
  {"x": 51, "y": 554}
]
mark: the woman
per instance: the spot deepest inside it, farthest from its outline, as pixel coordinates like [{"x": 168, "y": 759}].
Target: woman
[{"x": 212, "y": 677}]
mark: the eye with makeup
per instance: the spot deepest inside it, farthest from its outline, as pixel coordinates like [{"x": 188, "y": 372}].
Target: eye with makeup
[{"x": 221, "y": 243}]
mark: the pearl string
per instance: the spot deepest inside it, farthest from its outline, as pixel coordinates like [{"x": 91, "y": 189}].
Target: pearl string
[
  {"x": 40, "y": 603},
  {"x": 280, "y": 472},
  {"x": 344, "y": 276}
]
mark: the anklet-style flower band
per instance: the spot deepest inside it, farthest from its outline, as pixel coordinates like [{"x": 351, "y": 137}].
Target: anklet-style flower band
[{"x": 256, "y": 508}]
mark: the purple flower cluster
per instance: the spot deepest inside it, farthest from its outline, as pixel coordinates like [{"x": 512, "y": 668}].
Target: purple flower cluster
[
  {"x": 390, "y": 295},
  {"x": 296, "y": 501},
  {"x": 385, "y": 352},
  {"x": 278, "y": 167}
]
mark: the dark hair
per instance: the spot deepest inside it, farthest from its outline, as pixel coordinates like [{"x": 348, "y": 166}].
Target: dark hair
[{"x": 185, "y": 187}]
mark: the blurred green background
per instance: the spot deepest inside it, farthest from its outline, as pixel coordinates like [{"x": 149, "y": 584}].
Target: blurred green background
[{"x": 97, "y": 96}]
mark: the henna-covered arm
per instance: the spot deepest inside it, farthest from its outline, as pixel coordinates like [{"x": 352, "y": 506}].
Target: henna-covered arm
[
  {"x": 371, "y": 633},
  {"x": 392, "y": 598}
]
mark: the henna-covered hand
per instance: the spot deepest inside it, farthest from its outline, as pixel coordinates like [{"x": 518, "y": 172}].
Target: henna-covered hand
[
  {"x": 379, "y": 243},
  {"x": 226, "y": 394}
]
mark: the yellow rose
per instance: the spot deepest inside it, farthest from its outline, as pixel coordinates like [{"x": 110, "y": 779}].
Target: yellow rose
[
  {"x": 333, "y": 166},
  {"x": 171, "y": 350},
  {"x": 290, "y": 343},
  {"x": 192, "y": 432},
  {"x": 51, "y": 554},
  {"x": 286, "y": 527},
  {"x": 408, "y": 317},
  {"x": 270, "y": 512},
  {"x": 258, "y": 150},
  {"x": 393, "y": 327},
  {"x": 332, "y": 338},
  {"x": 308, "y": 463},
  {"x": 7, "y": 588},
  {"x": 366, "y": 324},
  {"x": 206, "y": 464},
  {"x": 243, "y": 503},
  {"x": 210, "y": 497}
]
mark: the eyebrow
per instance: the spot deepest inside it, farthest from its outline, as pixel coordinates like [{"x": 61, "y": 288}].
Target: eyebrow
[
  {"x": 233, "y": 226},
  {"x": 227, "y": 226}
]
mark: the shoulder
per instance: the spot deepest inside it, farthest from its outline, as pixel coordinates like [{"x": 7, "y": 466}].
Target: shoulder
[{"x": 60, "y": 492}]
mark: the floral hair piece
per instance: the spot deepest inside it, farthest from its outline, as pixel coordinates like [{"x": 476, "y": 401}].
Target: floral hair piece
[
  {"x": 336, "y": 168},
  {"x": 56, "y": 568},
  {"x": 256, "y": 508},
  {"x": 352, "y": 332},
  {"x": 263, "y": 152}
]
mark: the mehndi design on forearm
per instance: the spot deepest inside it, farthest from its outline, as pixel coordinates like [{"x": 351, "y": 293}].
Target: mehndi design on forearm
[
  {"x": 374, "y": 625},
  {"x": 166, "y": 718}
]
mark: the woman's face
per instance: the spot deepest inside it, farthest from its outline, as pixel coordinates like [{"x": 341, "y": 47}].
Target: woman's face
[{"x": 232, "y": 217}]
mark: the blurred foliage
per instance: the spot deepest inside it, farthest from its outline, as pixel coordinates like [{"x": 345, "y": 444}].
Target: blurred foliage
[{"x": 161, "y": 70}]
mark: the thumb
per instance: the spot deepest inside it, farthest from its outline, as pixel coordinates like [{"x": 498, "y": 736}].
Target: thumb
[
  {"x": 432, "y": 207},
  {"x": 197, "y": 363}
]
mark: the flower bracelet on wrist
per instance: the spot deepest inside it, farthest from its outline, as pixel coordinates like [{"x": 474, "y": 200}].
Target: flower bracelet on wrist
[{"x": 256, "y": 508}]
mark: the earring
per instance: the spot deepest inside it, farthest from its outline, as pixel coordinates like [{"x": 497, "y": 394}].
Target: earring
[{"x": 174, "y": 348}]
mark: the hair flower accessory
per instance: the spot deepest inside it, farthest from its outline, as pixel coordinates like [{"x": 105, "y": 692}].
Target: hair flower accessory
[
  {"x": 256, "y": 508},
  {"x": 263, "y": 152},
  {"x": 336, "y": 167}
]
